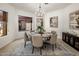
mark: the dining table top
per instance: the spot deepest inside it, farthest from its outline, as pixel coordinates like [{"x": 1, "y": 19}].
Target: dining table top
[{"x": 45, "y": 36}]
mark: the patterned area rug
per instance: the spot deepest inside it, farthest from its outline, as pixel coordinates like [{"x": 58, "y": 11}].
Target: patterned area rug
[{"x": 17, "y": 49}]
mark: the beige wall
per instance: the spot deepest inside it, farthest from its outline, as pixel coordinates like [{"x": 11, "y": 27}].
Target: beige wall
[
  {"x": 67, "y": 11},
  {"x": 63, "y": 19},
  {"x": 20, "y": 34},
  {"x": 58, "y": 13},
  {"x": 13, "y": 32}
]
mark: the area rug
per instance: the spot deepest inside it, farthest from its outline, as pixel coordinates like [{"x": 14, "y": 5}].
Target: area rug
[{"x": 17, "y": 49}]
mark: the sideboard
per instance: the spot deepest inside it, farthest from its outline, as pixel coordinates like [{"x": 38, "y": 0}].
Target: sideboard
[{"x": 71, "y": 40}]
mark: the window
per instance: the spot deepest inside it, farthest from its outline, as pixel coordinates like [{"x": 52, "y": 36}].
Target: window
[
  {"x": 3, "y": 23},
  {"x": 25, "y": 23}
]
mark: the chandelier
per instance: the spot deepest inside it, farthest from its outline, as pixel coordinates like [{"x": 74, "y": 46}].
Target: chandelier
[{"x": 40, "y": 12}]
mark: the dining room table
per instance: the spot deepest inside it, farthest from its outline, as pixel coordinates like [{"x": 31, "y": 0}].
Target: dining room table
[{"x": 46, "y": 36}]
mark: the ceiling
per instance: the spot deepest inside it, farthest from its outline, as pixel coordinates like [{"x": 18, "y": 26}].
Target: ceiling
[{"x": 32, "y": 7}]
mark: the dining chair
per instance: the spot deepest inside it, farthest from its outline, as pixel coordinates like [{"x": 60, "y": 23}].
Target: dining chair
[
  {"x": 25, "y": 39},
  {"x": 53, "y": 40},
  {"x": 37, "y": 42}
]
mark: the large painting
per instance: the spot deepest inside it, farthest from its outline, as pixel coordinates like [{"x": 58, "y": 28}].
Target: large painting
[
  {"x": 25, "y": 23},
  {"x": 74, "y": 20},
  {"x": 54, "y": 21}
]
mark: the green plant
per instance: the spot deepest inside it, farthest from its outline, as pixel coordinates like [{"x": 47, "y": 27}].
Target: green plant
[{"x": 40, "y": 29}]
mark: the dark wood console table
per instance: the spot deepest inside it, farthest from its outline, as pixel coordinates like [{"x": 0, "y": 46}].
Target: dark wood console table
[{"x": 71, "y": 39}]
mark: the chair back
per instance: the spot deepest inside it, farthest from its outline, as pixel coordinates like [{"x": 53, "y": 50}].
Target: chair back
[
  {"x": 25, "y": 37},
  {"x": 29, "y": 35},
  {"x": 37, "y": 41}
]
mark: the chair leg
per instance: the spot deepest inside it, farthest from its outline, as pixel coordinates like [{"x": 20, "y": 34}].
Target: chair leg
[
  {"x": 32, "y": 50},
  {"x": 52, "y": 47},
  {"x": 55, "y": 45},
  {"x": 44, "y": 46},
  {"x": 40, "y": 51},
  {"x": 24, "y": 44}
]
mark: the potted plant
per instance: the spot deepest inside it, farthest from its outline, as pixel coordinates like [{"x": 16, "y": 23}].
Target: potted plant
[{"x": 40, "y": 30}]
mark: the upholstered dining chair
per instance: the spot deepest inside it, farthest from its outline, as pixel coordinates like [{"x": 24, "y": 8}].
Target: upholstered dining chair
[
  {"x": 37, "y": 42},
  {"x": 53, "y": 40},
  {"x": 25, "y": 39}
]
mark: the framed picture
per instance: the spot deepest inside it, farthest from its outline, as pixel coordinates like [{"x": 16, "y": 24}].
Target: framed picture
[
  {"x": 25, "y": 23},
  {"x": 39, "y": 22},
  {"x": 74, "y": 20},
  {"x": 54, "y": 21}
]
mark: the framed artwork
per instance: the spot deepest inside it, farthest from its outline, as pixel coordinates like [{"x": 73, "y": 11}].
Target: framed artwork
[
  {"x": 74, "y": 20},
  {"x": 54, "y": 21},
  {"x": 25, "y": 23},
  {"x": 3, "y": 23},
  {"x": 39, "y": 22}
]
